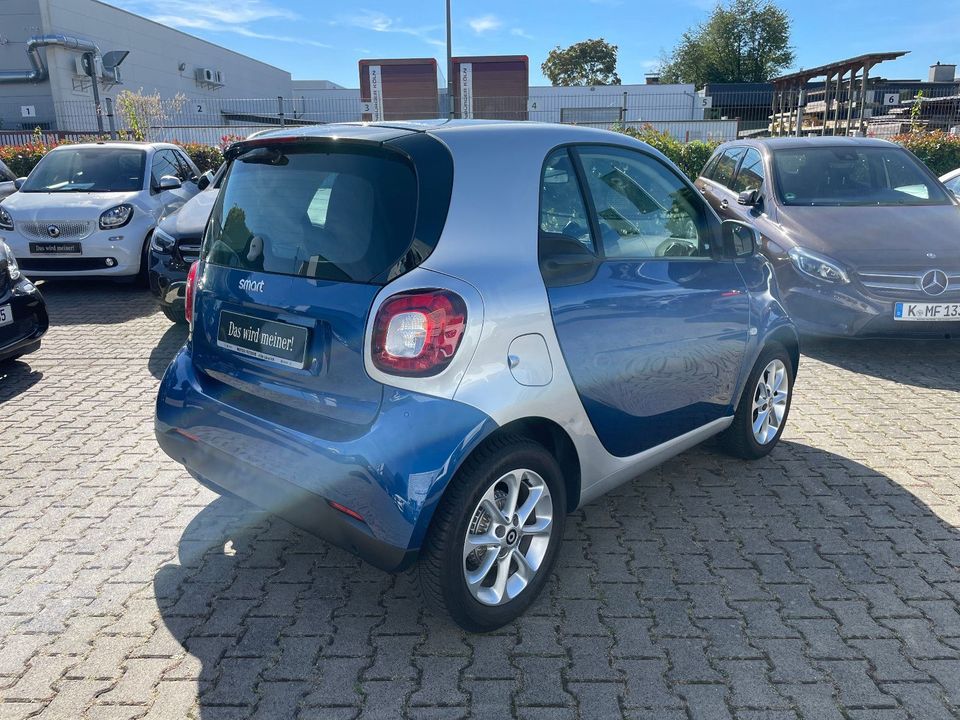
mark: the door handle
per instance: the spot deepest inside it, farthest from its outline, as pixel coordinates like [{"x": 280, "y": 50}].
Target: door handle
[
  {"x": 724, "y": 203},
  {"x": 702, "y": 189}
]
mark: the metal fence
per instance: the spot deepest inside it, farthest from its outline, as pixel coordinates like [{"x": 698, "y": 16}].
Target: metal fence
[{"x": 722, "y": 115}]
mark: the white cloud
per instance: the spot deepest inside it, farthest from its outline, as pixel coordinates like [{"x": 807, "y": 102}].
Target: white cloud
[
  {"x": 381, "y": 22},
  {"x": 483, "y": 24},
  {"x": 236, "y": 19},
  {"x": 520, "y": 32}
]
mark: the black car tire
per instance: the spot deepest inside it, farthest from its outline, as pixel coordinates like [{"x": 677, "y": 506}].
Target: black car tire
[
  {"x": 738, "y": 439},
  {"x": 142, "y": 278},
  {"x": 441, "y": 565},
  {"x": 174, "y": 315}
]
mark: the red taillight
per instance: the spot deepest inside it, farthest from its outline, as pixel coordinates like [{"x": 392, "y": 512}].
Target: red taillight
[
  {"x": 190, "y": 292},
  {"x": 417, "y": 333}
]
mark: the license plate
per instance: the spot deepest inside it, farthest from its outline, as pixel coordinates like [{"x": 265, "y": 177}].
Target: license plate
[
  {"x": 276, "y": 342},
  {"x": 64, "y": 248},
  {"x": 926, "y": 312},
  {"x": 6, "y": 315}
]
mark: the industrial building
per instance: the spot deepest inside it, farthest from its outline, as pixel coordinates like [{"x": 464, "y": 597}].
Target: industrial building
[{"x": 46, "y": 83}]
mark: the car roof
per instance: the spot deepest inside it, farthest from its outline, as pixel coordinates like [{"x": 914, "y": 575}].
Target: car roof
[
  {"x": 389, "y": 130},
  {"x": 127, "y": 144},
  {"x": 777, "y": 143}
]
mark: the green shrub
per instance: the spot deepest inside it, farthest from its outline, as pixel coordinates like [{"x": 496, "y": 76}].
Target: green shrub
[
  {"x": 690, "y": 157},
  {"x": 939, "y": 151},
  {"x": 205, "y": 157}
]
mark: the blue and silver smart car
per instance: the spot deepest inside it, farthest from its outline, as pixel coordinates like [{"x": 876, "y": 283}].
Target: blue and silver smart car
[{"x": 431, "y": 341}]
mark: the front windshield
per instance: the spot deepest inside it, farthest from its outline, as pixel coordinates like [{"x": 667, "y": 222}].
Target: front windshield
[
  {"x": 846, "y": 175},
  {"x": 100, "y": 169}
]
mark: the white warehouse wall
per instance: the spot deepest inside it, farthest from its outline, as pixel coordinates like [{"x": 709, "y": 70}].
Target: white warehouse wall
[{"x": 156, "y": 54}]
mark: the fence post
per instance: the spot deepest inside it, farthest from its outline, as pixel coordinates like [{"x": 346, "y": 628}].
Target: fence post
[
  {"x": 111, "y": 120},
  {"x": 280, "y": 111}
]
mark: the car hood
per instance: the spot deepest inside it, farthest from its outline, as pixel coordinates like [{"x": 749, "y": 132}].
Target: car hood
[
  {"x": 44, "y": 207},
  {"x": 877, "y": 236},
  {"x": 191, "y": 219}
]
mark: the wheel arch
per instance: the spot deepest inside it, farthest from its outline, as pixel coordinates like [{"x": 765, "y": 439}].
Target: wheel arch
[
  {"x": 558, "y": 443},
  {"x": 786, "y": 336}
]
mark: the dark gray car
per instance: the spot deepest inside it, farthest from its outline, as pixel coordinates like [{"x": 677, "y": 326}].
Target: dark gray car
[
  {"x": 864, "y": 239},
  {"x": 6, "y": 181}
]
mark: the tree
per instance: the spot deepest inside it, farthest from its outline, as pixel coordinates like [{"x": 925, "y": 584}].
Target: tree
[
  {"x": 591, "y": 62},
  {"x": 742, "y": 41}
]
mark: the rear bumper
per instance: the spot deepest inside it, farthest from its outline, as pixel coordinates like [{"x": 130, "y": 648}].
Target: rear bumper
[
  {"x": 30, "y": 322},
  {"x": 391, "y": 472}
]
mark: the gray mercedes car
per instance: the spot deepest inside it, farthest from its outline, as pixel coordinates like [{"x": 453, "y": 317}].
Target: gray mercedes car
[{"x": 863, "y": 238}]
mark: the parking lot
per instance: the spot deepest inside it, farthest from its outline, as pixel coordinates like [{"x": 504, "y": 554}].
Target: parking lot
[{"x": 820, "y": 582}]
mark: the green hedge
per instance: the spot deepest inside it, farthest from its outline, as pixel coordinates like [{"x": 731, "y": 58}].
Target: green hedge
[
  {"x": 939, "y": 151},
  {"x": 690, "y": 157}
]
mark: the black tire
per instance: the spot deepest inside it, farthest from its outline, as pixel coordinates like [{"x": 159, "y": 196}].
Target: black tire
[
  {"x": 142, "y": 278},
  {"x": 174, "y": 315},
  {"x": 441, "y": 566},
  {"x": 738, "y": 439}
]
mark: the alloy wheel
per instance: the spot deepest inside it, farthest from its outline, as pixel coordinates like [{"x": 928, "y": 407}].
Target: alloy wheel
[
  {"x": 770, "y": 401},
  {"x": 508, "y": 537}
]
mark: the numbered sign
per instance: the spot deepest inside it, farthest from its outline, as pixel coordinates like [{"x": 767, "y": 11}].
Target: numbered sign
[
  {"x": 891, "y": 98},
  {"x": 28, "y": 111},
  {"x": 706, "y": 102},
  {"x": 200, "y": 109},
  {"x": 532, "y": 105}
]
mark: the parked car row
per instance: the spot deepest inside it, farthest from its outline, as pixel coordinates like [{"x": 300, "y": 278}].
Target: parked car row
[{"x": 382, "y": 351}]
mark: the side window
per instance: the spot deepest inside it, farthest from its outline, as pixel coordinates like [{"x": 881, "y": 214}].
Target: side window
[
  {"x": 727, "y": 166},
  {"x": 562, "y": 209},
  {"x": 187, "y": 169},
  {"x": 643, "y": 208},
  {"x": 164, "y": 163},
  {"x": 750, "y": 176},
  {"x": 954, "y": 184},
  {"x": 710, "y": 168}
]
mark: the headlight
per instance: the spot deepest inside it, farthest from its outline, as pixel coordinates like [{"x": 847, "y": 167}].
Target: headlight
[
  {"x": 6, "y": 254},
  {"x": 818, "y": 266},
  {"x": 116, "y": 217},
  {"x": 162, "y": 242},
  {"x": 6, "y": 222}
]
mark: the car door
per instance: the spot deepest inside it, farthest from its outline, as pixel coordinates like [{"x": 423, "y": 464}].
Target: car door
[
  {"x": 165, "y": 163},
  {"x": 716, "y": 187},
  {"x": 652, "y": 327}
]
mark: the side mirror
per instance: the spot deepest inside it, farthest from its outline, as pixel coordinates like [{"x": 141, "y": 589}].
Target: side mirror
[
  {"x": 203, "y": 182},
  {"x": 169, "y": 182},
  {"x": 739, "y": 240},
  {"x": 748, "y": 197},
  {"x": 18, "y": 183}
]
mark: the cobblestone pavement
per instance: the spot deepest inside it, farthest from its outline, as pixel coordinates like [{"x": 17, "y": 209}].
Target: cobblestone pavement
[{"x": 819, "y": 583}]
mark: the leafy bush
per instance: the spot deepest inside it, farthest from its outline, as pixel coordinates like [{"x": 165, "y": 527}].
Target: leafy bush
[
  {"x": 690, "y": 157},
  {"x": 205, "y": 157},
  {"x": 939, "y": 151}
]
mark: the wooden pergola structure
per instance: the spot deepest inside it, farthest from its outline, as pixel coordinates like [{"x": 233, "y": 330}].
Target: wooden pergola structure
[{"x": 790, "y": 95}]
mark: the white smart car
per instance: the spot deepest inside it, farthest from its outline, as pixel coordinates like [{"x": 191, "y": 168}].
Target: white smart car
[{"x": 90, "y": 209}]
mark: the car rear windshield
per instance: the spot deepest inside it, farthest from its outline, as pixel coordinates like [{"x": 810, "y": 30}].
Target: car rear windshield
[
  {"x": 99, "y": 169},
  {"x": 845, "y": 175},
  {"x": 344, "y": 214}
]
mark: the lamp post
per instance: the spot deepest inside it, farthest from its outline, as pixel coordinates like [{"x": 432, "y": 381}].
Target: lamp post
[{"x": 450, "y": 103}]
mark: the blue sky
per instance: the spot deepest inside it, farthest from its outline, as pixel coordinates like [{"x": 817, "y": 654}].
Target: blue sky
[{"x": 316, "y": 39}]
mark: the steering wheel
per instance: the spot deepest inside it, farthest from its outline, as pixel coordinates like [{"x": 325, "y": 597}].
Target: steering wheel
[{"x": 677, "y": 247}]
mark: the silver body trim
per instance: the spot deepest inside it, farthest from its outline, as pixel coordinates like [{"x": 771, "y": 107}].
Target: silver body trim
[{"x": 488, "y": 254}]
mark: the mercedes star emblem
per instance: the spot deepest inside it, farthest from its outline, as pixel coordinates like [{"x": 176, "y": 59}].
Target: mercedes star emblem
[
  {"x": 53, "y": 231},
  {"x": 934, "y": 282}
]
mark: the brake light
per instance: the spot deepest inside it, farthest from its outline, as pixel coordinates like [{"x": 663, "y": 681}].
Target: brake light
[
  {"x": 417, "y": 334},
  {"x": 190, "y": 292}
]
